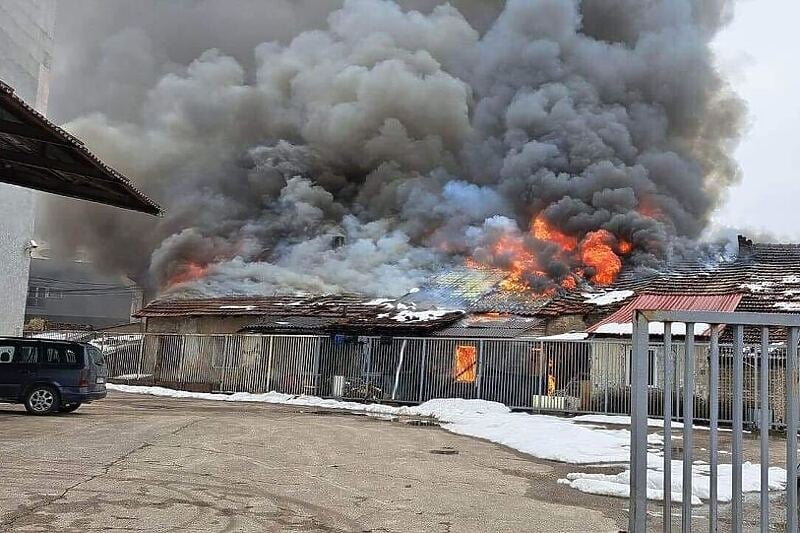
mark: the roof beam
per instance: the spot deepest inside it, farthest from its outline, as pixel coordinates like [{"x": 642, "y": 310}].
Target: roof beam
[
  {"x": 46, "y": 163},
  {"x": 33, "y": 133}
]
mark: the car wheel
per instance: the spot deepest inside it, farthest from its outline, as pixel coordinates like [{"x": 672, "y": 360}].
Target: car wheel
[
  {"x": 68, "y": 408},
  {"x": 42, "y": 400}
]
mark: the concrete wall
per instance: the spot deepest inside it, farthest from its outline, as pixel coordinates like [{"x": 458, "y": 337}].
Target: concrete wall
[{"x": 26, "y": 42}]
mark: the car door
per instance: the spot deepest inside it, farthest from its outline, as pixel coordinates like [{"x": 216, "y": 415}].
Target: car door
[{"x": 18, "y": 363}]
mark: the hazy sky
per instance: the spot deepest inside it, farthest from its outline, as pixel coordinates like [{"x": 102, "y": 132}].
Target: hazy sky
[{"x": 759, "y": 53}]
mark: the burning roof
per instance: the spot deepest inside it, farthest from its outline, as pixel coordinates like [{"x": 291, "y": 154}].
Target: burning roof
[
  {"x": 37, "y": 154},
  {"x": 763, "y": 277}
]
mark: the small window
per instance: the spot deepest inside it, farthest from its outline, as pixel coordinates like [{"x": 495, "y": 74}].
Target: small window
[{"x": 6, "y": 354}]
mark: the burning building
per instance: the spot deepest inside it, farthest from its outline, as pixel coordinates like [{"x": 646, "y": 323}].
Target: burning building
[{"x": 557, "y": 144}]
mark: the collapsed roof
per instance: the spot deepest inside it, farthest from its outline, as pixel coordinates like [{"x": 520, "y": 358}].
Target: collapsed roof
[
  {"x": 311, "y": 314},
  {"x": 37, "y": 154}
]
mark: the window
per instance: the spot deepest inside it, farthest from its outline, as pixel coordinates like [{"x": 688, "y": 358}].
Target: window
[
  {"x": 652, "y": 371},
  {"x": 466, "y": 361},
  {"x": 6, "y": 354},
  {"x": 53, "y": 294},
  {"x": 25, "y": 354},
  {"x": 61, "y": 357},
  {"x": 96, "y": 355},
  {"x": 36, "y": 296}
]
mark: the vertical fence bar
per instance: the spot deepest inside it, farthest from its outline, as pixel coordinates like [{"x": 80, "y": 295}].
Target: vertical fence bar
[
  {"x": 738, "y": 385},
  {"x": 764, "y": 429},
  {"x": 688, "y": 423},
  {"x": 791, "y": 430},
  {"x": 422, "y": 371},
  {"x": 668, "y": 377},
  {"x": 638, "y": 467},
  {"x": 479, "y": 380},
  {"x": 713, "y": 387}
]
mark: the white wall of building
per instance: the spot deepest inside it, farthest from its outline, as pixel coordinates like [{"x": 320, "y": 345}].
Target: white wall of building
[{"x": 26, "y": 44}]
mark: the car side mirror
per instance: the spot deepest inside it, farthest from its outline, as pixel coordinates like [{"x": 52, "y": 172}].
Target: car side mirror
[{"x": 5, "y": 357}]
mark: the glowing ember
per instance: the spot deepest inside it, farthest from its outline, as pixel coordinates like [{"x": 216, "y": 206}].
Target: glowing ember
[
  {"x": 187, "y": 272},
  {"x": 597, "y": 253},
  {"x": 624, "y": 247}
]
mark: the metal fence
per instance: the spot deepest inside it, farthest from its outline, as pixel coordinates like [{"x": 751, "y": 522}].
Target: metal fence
[
  {"x": 739, "y": 376},
  {"x": 592, "y": 376}
]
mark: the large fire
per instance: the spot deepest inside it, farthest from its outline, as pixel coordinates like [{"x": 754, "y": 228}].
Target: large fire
[
  {"x": 596, "y": 257},
  {"x": 190, "y": 271}
]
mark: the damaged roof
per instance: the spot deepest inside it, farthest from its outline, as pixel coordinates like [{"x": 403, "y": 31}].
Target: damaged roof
[
  {"x": 37, "y": 154},
  {"x": 311, "y": 313},
  {"x": 478, "y": 290},
  {"x": 762, "y": 278}
]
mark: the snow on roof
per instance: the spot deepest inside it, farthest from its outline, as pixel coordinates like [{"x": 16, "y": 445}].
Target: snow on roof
[
  {"x": 242, "y": 307},
  {"x": 606, "y": 298},
  {"x": 572, "y": 336},
  {"x": 656, "y": 328}
]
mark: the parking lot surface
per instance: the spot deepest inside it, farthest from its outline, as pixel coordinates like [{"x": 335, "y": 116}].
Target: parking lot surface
[{"x": 137, "y": 463}]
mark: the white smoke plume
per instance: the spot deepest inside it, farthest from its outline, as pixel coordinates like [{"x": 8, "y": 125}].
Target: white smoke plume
[{"x": 365, "y": 144}]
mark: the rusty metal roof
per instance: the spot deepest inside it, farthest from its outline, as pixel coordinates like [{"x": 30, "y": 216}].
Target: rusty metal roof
[
  {"x": 676, "y": 302},
  {"x": 37, "y": 154}
]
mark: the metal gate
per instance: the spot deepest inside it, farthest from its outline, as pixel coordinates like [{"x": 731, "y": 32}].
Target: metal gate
[{"x": 689, "y": 323}]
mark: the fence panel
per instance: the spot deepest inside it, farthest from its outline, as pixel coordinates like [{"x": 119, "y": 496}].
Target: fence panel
[{"x": 540, "y": 375}]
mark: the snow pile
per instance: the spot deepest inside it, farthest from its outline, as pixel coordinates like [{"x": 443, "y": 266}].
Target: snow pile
[
  {"x": 619, "y": 484},
  {"x": 568, "y": 440}
]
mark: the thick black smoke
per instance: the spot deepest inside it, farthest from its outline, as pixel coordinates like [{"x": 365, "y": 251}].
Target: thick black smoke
[{"x": 384, "y": 142}]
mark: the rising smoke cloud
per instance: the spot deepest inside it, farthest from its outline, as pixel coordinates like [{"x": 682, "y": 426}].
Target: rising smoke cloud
[{"x": 364, "y": 145}]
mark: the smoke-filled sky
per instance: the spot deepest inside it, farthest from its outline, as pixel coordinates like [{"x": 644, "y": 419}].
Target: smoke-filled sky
[{"x": 359, "y": 145}]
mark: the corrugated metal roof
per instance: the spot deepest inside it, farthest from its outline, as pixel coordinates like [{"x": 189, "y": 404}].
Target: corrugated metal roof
[{"x": 675, "y": 302}]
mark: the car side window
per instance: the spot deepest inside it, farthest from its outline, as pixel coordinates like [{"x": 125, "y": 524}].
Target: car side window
[
  {"x": 6, "y": 354},
  {"x": 25, "y": 354},
  {"x": 60, "y": 357}
]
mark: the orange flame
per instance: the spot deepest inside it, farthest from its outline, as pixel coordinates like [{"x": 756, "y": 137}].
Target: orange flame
[
  {"x": 597, "y": 253},
  {"x": 190, "y": 271},
  {"x": 542, "y": 230}
]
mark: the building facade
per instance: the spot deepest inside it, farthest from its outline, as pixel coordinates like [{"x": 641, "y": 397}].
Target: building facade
[
  {"x": 26, "y": 41},
  {"x": 74, "y": 293}
]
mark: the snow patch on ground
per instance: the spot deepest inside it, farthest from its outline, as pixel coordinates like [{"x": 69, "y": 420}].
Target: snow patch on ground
[{"x": 568, "y": 440}]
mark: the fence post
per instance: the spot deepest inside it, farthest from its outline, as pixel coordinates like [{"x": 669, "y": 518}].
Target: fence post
[
  {"x": 479, "y": 380},
  {"x": 141, "y": 356},
  {"x": 224, "y": 363},
  {"x": 638, "y": 465},
  {"x": 269, "y": 364},
  {"x": 422, "y": 368}
]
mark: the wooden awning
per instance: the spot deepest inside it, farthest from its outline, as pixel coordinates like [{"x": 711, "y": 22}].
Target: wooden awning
[{"x": 37, "y": 154}]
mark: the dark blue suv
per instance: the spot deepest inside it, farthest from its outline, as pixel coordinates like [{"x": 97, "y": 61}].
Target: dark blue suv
[{"x": 50, "y": 376}]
